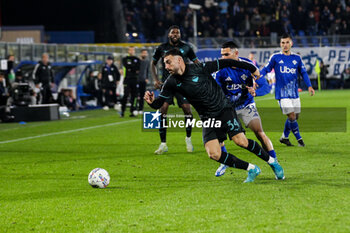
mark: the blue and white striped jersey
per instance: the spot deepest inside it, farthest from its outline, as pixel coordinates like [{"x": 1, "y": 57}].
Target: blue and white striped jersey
[{"x": 286, "y": 68}]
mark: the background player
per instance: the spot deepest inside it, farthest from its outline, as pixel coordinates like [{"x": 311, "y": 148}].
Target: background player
[
  {"x": 195, "y": 82},
  {"x": 233, "y": 81},
  {"x": 286, "y": 65},
  {"x": 174, "y": 41}
]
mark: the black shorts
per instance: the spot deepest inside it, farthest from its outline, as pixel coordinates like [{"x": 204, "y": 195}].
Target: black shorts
[
  {"x": 230, "y": 125},
  {"x": 180, "y": 99}
]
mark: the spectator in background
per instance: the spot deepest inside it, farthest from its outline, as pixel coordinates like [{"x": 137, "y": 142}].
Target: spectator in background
[
  {"x": 344, "y": 28},
  {"x": 323, "y": 74},
  {"x": 110, "y": 80},
  {"x": 44, "y": 79},
  {"x": 298, "y": 19},
  {"x": 98, "y": 89},
  {"x": 66, "y": 98},
  {"x": 311, "y": 24},
  {"x": 10, "y": 74},
  {"x": 131, "y": 65},
  {"x": 235, "y": 8},
  {"x": 264, "y": 30},
  {"x": 4, "y": 115},
  {"x": 255, "y": 20},
  {"x": 143, "y": 78},
  {"x": 345, "y": 79},
  {"x": 3, "y": 90},
  {"x": 325, "y": 20},
  {"x": 223, "y": 5}
]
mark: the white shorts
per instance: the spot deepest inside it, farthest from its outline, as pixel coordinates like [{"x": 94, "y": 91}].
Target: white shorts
[
  {"x": 248, "y": 113},
  {"x": 290, "y": 105}
]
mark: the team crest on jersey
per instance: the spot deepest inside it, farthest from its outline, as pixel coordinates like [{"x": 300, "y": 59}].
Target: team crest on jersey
[
  {"x": 244, "y": 77},
  {"x": 295, "y": 62},
  {"x": 281, "y": 62},
  {"x": 228, "y": 79}
]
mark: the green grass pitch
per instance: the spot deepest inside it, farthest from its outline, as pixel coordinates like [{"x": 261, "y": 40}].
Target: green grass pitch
[{"x": 44, "y": 168}]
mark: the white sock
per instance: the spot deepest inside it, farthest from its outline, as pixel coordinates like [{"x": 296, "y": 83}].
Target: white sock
[
  {"x": 163, "y": 143},
  {"x": 271, "y": 160},
  {"x": 250, "y": 166}
]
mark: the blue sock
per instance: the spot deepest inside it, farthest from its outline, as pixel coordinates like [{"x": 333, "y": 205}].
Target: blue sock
[
  {"x": 272, "y": 153},
  {"x": 286, "y": 130},
  {"x": 295, "y": 129},
  {"x": 223, "y": 149}
]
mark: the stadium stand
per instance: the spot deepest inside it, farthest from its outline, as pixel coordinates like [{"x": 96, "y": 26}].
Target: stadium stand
[{"x": 225, "y": 18}]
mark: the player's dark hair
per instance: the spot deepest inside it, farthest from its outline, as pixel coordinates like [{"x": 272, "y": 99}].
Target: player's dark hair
[
  {"x": 143, "y": 50},
  {"x": 286, "y": 35},
  {"x": 173, "y": 52},
  {"x": 173, "y": 27},
  {"x": 229, "y": 44}
]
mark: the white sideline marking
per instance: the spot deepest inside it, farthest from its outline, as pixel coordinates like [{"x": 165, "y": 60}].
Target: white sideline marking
[{"x": 67, "y": 131}]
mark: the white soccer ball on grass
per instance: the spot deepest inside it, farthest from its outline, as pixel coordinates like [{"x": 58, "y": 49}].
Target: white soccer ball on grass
[{"x": 99, "y": 178}]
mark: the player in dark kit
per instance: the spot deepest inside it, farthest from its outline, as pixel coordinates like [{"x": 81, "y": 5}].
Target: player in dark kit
[
  {"x": 194, "y": 81},
  {"x": 174, "y": 36}
]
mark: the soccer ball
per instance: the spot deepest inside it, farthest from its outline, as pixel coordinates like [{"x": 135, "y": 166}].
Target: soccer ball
[{"x": 99, "y": 178}]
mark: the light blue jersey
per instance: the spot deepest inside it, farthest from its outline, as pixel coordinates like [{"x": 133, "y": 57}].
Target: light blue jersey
[
  {"x": 233, "y": 82},
  {"x": 286, "y": 70}
]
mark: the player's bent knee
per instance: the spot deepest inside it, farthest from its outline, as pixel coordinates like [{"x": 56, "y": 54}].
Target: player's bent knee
[
  {"x": 214, "y": 152},
  {"x": 240, "y": 140},
  {"x": 214, "y": 155}
]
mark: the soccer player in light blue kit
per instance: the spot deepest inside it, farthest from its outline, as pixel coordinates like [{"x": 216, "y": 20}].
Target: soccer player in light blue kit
[
  {"x": 287, "y": 65},
  {"x": 237, "y": 85}
]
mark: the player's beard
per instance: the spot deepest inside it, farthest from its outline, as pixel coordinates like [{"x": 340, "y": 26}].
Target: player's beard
[
  {"x": 173, "y": 70},
  {"x": 174, "y": 41}
]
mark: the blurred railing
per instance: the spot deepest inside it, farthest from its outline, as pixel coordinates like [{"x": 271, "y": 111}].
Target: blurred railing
[{"x": 65, "y": 52}]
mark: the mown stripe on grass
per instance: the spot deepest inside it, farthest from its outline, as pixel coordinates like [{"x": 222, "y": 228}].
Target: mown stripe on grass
[{"x": 66, "y": 131}]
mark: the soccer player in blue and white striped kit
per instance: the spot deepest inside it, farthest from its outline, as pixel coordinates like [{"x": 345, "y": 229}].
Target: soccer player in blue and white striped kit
[{"x": 287, "y": 65}]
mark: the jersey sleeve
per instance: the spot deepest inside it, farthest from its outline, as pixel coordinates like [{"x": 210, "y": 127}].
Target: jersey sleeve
[
  {"x": 157, "y": 54},
  {"x": 268, "y": 67},
  {"x": 213, "y": 66},
  {"x": 191, "y": 55},
  {"x": 303, "y": 72},
  {"x": 263, "y": 87}
]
